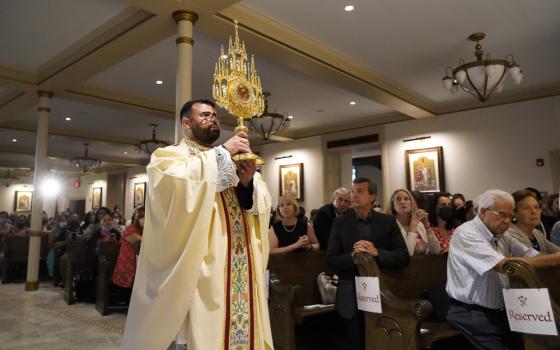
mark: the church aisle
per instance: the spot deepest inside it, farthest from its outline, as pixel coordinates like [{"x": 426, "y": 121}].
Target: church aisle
[{"x": 41, "y": 320}]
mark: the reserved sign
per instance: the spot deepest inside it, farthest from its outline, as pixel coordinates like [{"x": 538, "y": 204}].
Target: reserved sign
[
  {"x": 367, "y": 294},
  {"x": 529, "y": 311}
]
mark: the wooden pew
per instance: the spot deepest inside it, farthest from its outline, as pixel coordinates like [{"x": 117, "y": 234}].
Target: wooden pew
[
  {"x": 521, "y": 275},
  {"x": 293, "y": 285},
  {"x": 72, "y": 264},
  {"x": 405, "y": 311},
  {"x": 13, "y": 264},
  {"x": 108, "y": 298}
]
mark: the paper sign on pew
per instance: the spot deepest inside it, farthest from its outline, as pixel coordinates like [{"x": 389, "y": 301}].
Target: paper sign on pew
[
  {"x": 367, "y": 294},
  {"x": 529, "y": 311}
]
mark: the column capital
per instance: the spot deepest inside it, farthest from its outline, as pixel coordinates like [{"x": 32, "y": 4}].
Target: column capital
[
  {"x": 182, "y": 15},
  {"x": 43, "y": 93}
]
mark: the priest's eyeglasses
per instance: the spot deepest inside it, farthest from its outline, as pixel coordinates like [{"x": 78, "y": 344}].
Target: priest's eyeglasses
[{"x": 209, "y": 115}]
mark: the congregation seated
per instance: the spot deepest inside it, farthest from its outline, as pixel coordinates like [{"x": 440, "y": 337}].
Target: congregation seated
[
  {"x": 441, "y": 219},
  {"x": 88, "y": 220},
  {"x": 20, "y": 227},
  {"x": 125, "y": 268},
  {"x": 458, "y": 202},
  {"x": 413, "y": 224},
  {"x": 528, "y": 214},
  {"x": 68, "y": 230},
  {"x": 118, "y": 222},
  {"x": 322, "y": 222},
  {"x": 96, "y": 224},
  {"x": 290, "y": 233},
  {"x": 555, "y": 233},
  {"x": 550, "y": 212}
]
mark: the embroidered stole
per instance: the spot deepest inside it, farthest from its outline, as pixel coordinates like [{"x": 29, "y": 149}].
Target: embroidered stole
[{"x": 240, "y": 300}]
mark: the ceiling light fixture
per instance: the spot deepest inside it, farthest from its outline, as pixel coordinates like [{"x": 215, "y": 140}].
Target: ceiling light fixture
[
  {"x": 68, "y": 119},
  {"x": 352, "y": 103},
  {"x": 159, "y": 82},
  {"x": 8, "y": 179},
  {"x": 125, "y": 152},
  {"x": 348, "y": 8},
  {"x": 149, "y": 145},
  {"x": 269, "y": 123},
  {"x": 482, "y": 77},
  {"x": 85, "y": 163}
]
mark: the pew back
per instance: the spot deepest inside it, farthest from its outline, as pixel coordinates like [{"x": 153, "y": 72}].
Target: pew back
[
  {"x": 521, "y": 275},
  {"x": 405, "y": 312},
  {"x": 13, "y": 264},
  {"x": 293, "y": 285},
  {"x": 108, "y": 297}
]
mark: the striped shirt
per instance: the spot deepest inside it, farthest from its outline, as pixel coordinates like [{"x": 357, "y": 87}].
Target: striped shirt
[{"x": 473, "y": 253}]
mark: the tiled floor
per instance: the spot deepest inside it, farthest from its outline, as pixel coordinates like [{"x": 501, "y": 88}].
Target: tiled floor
[{"x": 41, "y": 320}]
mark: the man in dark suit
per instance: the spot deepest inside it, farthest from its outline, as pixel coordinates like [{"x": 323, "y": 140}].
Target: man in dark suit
[
  {"x": 366, "y": 231},
  {"x": 322, "y": 222}
]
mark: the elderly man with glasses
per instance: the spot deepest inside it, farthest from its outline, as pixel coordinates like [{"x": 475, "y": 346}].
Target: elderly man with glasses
[{"x": 477, "y": 253}]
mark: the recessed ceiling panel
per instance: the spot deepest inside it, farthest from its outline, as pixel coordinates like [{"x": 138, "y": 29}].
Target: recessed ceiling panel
[{"x": 34, "y": 31}]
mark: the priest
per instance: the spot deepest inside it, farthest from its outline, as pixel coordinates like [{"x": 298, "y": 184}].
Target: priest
[{"x": 200, "y": 278}]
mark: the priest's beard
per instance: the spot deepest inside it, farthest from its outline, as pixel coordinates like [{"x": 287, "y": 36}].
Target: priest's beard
[{"x": 206, "y": 134}]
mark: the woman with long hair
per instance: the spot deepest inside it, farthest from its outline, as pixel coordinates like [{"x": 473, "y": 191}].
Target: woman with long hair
[
  {"x": 290, "y": 233},
  {"x": 413, "y": 223},
  {"x": 125, "y": 268}
]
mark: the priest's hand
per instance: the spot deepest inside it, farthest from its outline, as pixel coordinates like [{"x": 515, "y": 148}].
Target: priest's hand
[
  {"x": 246, "y": 170},
  {"x": 237, "y": 144}
]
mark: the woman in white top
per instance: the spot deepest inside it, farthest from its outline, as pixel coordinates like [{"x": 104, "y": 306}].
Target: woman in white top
[{"x": 414, "y": 224}]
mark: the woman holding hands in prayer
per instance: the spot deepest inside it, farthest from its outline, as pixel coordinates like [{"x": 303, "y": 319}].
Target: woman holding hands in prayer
[{"x": 290, "y": 233}]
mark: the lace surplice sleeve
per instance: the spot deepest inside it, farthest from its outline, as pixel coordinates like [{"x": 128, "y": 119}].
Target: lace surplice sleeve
[{"x": 227, "y": 176}]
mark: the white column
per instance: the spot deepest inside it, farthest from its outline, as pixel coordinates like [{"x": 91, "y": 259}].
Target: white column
[
  {"x": 185, "y": 21},
  {"x": 44, "y": 110}
]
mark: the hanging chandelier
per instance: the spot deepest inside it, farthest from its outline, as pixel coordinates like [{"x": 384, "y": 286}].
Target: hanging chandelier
[
  {"x": 150, "y": 145},
  {"x": 269, "y": 123},
  {"x": 85, "y": 163},
  {"x": 484, "y": 76},
  {"x": 8, "y": 179}
]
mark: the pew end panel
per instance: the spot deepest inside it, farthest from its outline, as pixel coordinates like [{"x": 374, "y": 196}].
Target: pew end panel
[
  {"x": 293, "y": 285},
  {"x": 108, "y": 298},
  {"x": 522, "y": 275},
  {"x": 406, "y": 321},
  {"x": 72, "y": 263}
]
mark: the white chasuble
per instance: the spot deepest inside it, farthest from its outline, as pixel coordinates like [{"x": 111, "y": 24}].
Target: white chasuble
[{"x": 201, "y": 270}]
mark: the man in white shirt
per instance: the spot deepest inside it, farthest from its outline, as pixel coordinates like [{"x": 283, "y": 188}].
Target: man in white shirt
[{"x": 477, "y": 253}]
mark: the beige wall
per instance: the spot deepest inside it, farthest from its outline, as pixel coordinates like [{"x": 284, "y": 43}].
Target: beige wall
[
  {"x": 495, "y": 147},
  {"x": 307, "y": 151}
]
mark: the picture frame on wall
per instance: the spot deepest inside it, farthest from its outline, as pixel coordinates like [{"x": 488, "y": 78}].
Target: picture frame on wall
[
  {"x": 22, "y": 201},
  {"x": 139, "y": 194},
  {"x": 291, "y": 179},
  {"x": 424, "y": 170},
  {"x": 96, "y": 198}
]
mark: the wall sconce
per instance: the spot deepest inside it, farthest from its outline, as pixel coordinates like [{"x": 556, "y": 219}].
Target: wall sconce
[
  {"x": 417, "y": 138},
  {"x": 283, "y": 157}
]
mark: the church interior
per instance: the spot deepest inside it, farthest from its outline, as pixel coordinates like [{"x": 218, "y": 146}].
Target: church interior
[{"x": 88, "y": 89}]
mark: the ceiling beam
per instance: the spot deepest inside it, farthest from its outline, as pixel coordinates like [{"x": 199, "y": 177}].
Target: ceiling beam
[
  {"x": 129, "y": 32},
  {"x": 73, "y": 135},
  {"x": 286, "y": 46},
  {"x": 25, "y": 151}
]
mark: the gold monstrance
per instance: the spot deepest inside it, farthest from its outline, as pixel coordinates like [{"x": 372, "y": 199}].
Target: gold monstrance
[{"x": 237, "y": 88}]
